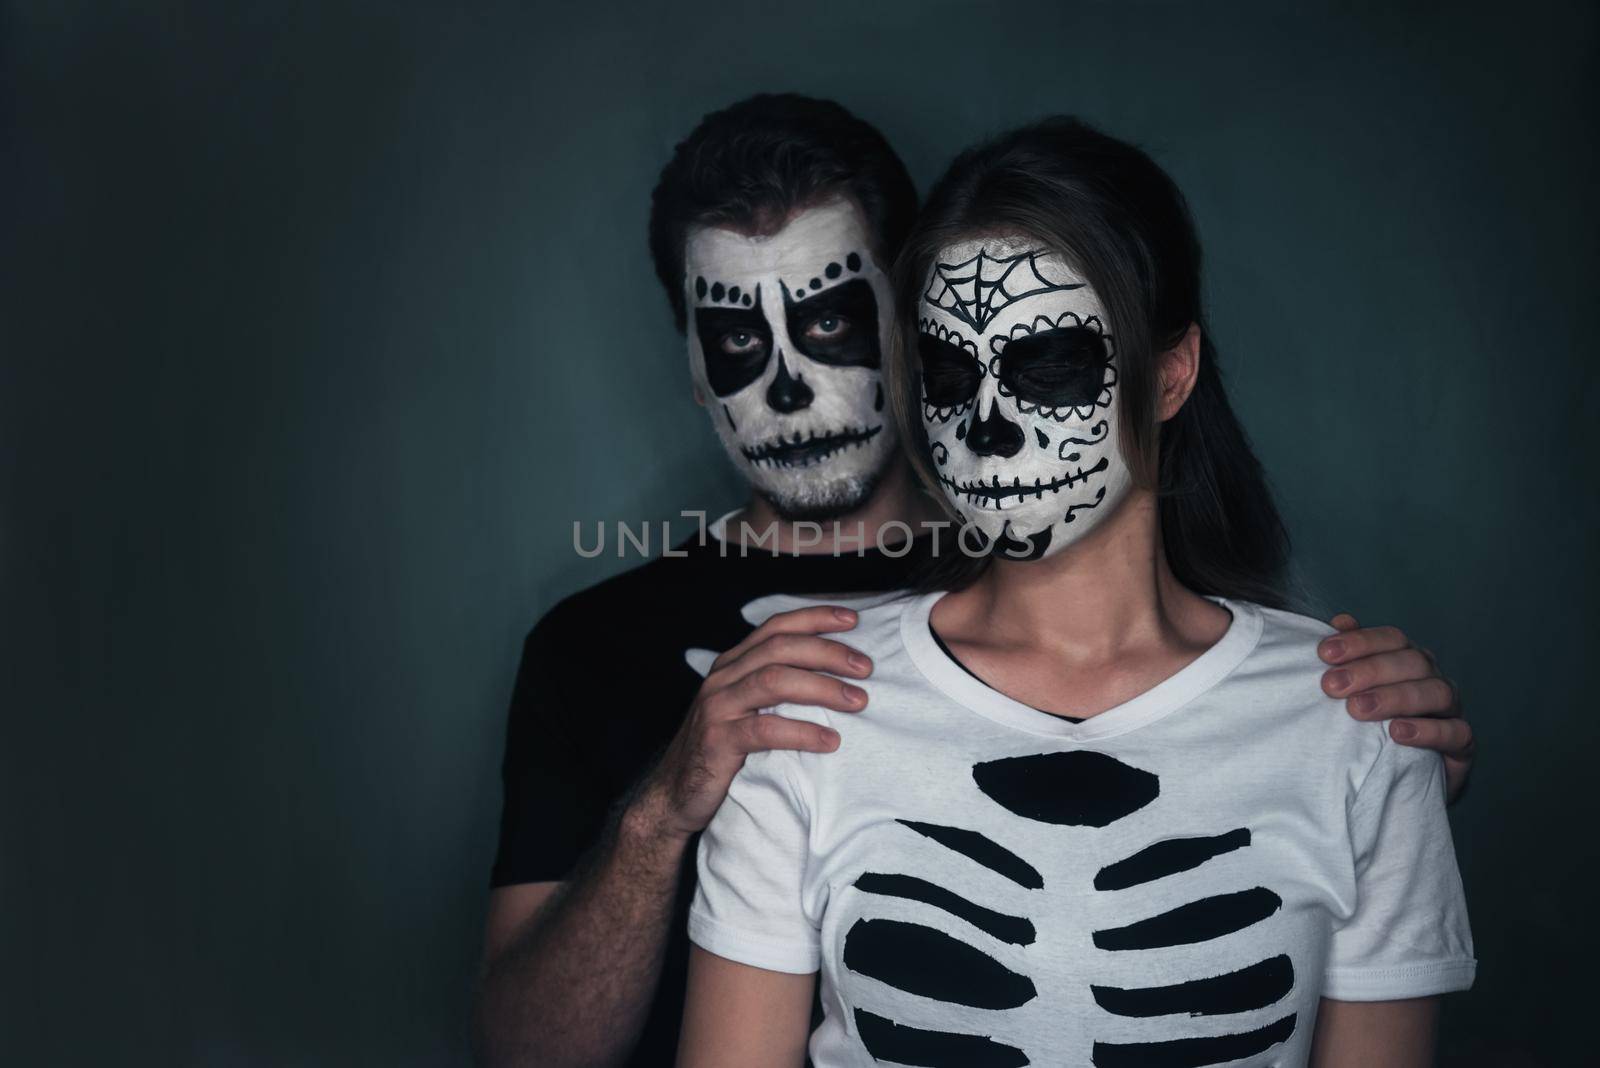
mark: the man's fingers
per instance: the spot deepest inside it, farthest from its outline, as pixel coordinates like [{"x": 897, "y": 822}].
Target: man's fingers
[
  {"x": 756, "y": 733},
  {"x": 1344, "y": 621},
  {"x": 814, "y": 619},
  {"x": 1380, "y": 669},
  {"x": 797, "y": 650},
  {"x": 1420, "y": 697},
  {"x": 778, "y": 684},
  {"x": 1364, "y": 641},
  {"x": 1457, "y": 770},
  {"x": 1452, "y": 737}
]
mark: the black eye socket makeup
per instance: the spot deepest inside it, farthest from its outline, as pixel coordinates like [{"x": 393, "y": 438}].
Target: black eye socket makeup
[
  {"x": 851, "y": 304},
  {"x": 1058, "y": 367},
  {"x": 729, "y": 372},
  {"x": 950, "y": 373}
]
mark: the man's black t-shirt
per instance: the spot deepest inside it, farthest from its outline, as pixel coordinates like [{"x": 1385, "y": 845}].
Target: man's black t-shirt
[{"x": 603, "y": 686}]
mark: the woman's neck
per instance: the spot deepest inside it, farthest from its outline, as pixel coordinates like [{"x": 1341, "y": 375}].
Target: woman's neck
[{"x": 1100, "y": 599}]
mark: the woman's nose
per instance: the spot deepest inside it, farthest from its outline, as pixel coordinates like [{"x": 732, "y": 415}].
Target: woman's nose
[{"x": 994, "y": 436}]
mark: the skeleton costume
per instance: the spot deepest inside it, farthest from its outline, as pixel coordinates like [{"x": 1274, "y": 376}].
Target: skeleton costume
[
  {"x": 1176, "y": 881},
  {"x": 786, "y": 337}
]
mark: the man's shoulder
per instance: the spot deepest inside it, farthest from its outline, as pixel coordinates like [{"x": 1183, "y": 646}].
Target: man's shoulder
[{"x": 639, "y": 591}]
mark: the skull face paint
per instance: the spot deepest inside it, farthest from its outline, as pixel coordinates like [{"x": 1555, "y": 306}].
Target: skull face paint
[
  {"x": 786, "y": 335},
  {"x": 1019, "y": 377}
]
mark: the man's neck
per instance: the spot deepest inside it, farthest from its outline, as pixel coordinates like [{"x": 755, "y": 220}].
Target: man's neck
[{"x": 896, "y": 510}]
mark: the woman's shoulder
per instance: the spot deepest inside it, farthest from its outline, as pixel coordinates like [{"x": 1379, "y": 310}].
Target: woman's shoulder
[
  {"x": 1285, "y": 640},
  {"x": 1284, "y": 673}
]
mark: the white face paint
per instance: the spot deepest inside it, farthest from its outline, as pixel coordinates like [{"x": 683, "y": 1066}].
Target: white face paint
[
  {"x": 786, "y": 335},
  {"x": 1019, "y": 394}
]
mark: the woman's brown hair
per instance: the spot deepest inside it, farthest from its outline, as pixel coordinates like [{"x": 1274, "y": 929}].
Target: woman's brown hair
[{"x": 1117, "y": 216}]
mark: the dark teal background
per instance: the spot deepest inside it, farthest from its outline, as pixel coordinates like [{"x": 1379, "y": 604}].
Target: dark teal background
[{"x": 322, "y": 323}]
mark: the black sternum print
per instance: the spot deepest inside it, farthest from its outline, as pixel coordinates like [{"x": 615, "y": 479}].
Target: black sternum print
[{"x": 1068, "y": 789}]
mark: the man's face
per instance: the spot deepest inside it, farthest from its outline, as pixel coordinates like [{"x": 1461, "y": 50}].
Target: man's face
[
  {"x": 786, "y": 334},
  {"x": 1019, "y": 390}
]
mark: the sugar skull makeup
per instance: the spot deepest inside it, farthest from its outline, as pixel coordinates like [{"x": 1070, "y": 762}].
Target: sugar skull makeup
[
  {"x": 1019, "y": 389},
  {"x": 786, "y": 335}
]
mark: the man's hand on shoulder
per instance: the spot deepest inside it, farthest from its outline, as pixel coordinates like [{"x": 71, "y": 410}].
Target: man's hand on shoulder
[
  {"x": 784, "y": 661},
  {"x": 1381, "y": 675}
]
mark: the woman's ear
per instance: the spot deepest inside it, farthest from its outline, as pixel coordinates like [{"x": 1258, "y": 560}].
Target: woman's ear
[{"x": 1176, "y": 370}]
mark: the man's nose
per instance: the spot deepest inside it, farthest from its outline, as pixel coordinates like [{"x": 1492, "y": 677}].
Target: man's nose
[{"x": 789, "y": 393}]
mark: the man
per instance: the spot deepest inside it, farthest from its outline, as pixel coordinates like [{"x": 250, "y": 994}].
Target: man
[{"x": 771, "y": 229}]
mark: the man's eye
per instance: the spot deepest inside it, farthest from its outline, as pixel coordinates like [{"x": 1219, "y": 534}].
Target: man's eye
[
  {"x": 828, "y": 328},
  {"x": 741, "y": 343}
]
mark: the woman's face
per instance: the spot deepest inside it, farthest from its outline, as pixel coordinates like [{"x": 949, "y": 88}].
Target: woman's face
[{"x": 1019, "y": 390}]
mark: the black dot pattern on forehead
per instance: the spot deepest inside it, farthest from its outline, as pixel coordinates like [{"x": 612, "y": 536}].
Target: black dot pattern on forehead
[
  {"x": 853, "y": 261},
  {"x": 833, "y": 270},
  {"x": 720, "y": 293},
  {"x": 816, "y": 283}
]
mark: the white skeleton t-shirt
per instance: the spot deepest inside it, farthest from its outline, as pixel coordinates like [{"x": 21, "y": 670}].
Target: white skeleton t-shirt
[{"x": 1175, "y": 881}]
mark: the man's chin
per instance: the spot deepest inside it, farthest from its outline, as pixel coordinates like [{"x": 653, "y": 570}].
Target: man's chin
[
  {"x": 832, "y": 500},
  {"x": 820, "y": 499},
  {"x": 814, "y": 493}
]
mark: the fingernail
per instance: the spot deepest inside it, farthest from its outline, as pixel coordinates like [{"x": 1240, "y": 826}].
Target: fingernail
[
  {"x": 1339, "y": 681},
  {"x": 1364, "y": 704},
  {"x": 855, "y": 694},
  {"x": 1404, "y": 730},
  {"x": 860, "y": 663},
  {"x": 844, "y": 615},
  {"x": 830, "y": 736},
  {"x": 1333, "y": 649}
]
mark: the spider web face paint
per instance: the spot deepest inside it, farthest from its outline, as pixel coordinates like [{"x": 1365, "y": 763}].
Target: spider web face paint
[
  {"x": 1019, "y": 376},
  {"x": 786, "y": 337}
]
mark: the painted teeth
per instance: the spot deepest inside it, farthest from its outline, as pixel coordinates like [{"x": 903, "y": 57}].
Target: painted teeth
[
  {"x": 991, "y": 493},
  {"x": 774, "y": 452}
]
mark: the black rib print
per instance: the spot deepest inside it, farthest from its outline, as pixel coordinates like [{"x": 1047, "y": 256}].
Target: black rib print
[
  {"x": 1079, "y": 788},
  {"x": 1013, "y": 929},
  {"x": 925, "y": 961},
  {"x": 1168, "y": 858},
  {"x": 1198, "y": 921},
  {"x": 1254, "y": 987},
  {"x": 889, "y": 1041},
  {"x": 984, "y": 850},
  {"x": 1192, "y": 1052}
]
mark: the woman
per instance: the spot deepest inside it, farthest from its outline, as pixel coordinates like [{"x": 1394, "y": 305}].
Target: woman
[{"x": 1098, "y": 810}]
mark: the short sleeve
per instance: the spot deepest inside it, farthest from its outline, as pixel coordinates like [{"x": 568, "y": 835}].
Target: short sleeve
[
  {"x": 749, "y": 904},
  {"x": 555, "y": 804},
  {"x": 1408, "y": 935}
]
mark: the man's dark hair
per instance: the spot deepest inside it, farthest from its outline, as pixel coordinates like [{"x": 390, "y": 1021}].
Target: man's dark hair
[{"x": 750, "y": 166}]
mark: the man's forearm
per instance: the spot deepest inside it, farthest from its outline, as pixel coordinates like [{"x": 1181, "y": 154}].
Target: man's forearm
[{"x": 575, "y": 985}]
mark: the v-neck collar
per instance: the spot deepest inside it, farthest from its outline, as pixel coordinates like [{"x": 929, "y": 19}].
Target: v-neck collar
[{"x": 1162, "y": 699}]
